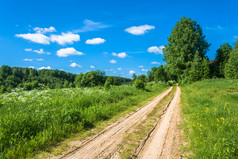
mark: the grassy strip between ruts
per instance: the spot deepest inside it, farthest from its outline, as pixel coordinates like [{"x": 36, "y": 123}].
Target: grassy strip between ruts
[
  {"x": 65, "y": 113},
  {"x": 210, "y": 109},
  {"x": 132, "y": 140}
]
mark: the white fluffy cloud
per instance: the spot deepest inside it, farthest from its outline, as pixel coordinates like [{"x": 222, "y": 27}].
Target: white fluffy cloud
[
  {"x": 92, "y": 66},
  {"x": 120, "y": 55},
  {"x": 65, "y": 38},
  {"x": 31, "y": 67},
  {"x": 144, "y": 70},
  {"x": 95, "y": 41},
  {"x": 47, "y": 68},
  {"x": 40, "y": 51},
  {"x": 156, "y": 50},
  {"x": 113, "y": 61},
  {"x": 141, "y": 66},
  {"x": 28, "y": 49},
  {"x": 139, "y": 30},
  {"x": 27, "y": 59},
  {"x": 44, "y": 30},
  {"x": 131, "y": 72},
  {"x": 119, "y": 69},
  {"x": 75, "y": 65},
  {"x": 35, "y": 37},
  {"x": 39, "y": 59},
  {"x": 68, "y": 52},
  {"x": 155, "y": 63}
]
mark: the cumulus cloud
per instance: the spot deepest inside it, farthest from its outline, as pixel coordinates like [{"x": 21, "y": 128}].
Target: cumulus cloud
[
  {"x": 28, "y": 49},
  {"x": 90, "y": 25},
  {"x": 68, "y": 52},
  {"x": 139, "y": 30},
  {"x": 40, "y": 51},
  {"x": 95, "y": 41},
  {"x": 31, "y": 67},
  {"x": 35, "y": 37},
  {"x": 155, "y": 63},
  {"x": 119, "y": 69},
  {"x": 144, "y": 70},
  {"x": 44, "y": 30},
  {"x": 65, "y": 38},
  {"x": 120, "y": 55},
  {"x": 141, "y": 66},
  {"x": 39, "y": 59},
  {"x": 75, "y": 65},
  {"x": 92, "y": 66},
  {"x": 27, "y": 59},
  {"x": 156, "y": 50},
  {"x": 47, "y": 68},
  {"x": 113, "y": 61},
  {"x": 131, "y": 72}
]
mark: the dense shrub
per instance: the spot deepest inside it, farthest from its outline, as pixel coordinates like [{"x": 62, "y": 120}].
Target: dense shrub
[{"x": 139, "y": 84}]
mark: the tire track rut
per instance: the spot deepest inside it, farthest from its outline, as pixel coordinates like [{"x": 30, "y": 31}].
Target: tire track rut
[{"x": 164, "y": 139}]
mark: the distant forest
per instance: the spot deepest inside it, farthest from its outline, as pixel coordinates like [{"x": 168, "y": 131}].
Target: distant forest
[{"x": 29, "y": 78}]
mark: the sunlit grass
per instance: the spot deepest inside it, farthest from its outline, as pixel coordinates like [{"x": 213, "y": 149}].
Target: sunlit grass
[{"x": 210, "y": 108}]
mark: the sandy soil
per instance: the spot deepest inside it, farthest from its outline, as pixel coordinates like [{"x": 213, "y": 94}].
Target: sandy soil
[
  {"x": 164, "y": 141},
  {"x": 103, "y": 145}
]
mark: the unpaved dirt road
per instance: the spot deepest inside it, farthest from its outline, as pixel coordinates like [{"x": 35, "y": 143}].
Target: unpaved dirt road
[
  {"x": 106, "y": 143},
  {"x": 164, "y": 141}
]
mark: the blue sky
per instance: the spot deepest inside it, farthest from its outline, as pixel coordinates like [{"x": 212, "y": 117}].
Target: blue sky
[{"x": 119, "y": 37}]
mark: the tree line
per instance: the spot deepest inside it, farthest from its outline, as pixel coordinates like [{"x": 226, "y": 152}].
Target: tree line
[{"x": 29, "y": 78}]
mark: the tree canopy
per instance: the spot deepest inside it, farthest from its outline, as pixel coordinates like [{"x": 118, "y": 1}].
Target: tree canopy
[
  {"x": 222, "y": 56},
  {"x": 231, "y": 67},
  {"x": 185, "y": 40}
]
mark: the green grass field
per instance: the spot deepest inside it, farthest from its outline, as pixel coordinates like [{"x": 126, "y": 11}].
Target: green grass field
[
  {"x": 210, "y": 109},
  {"x": 33, "y": 120}
]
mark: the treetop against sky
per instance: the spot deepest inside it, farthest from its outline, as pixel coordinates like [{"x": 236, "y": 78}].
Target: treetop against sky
[{"x": 119, "y": 37}]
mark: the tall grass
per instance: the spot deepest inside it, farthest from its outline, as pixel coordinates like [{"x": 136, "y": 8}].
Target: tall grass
[
  {"x": 31, "y": 121},
  {"x": 210, "y": 108}
]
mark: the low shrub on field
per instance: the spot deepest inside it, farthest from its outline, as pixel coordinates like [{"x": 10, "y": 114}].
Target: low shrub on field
[
  {"x": 33, "y": 120},
  {"x": 210, "y": 108},
  {"x": 139, "y": 84}
]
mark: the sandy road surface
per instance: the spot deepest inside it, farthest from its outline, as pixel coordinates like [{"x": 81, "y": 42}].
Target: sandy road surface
[
  {"x": 165, "y": 139},
  {"x": 106, "y": 143}
]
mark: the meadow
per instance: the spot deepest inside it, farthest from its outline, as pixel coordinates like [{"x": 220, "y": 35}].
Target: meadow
[
  {"x": 210, "y": 110},
  {"x": 33, "y": 120}
]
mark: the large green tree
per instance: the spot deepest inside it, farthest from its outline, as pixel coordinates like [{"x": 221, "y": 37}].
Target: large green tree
[
  {"x": 186, "y": 38},
  {"x": 231, "y": 67},
  {"x": 222, "y": 56},
  {"x": 160, "y": 74}
]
